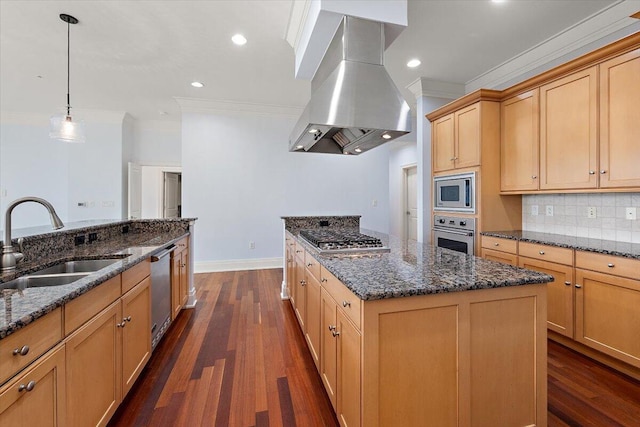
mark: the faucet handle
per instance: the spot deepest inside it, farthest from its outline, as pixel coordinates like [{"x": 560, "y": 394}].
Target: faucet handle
[{"x": 20, "y": 243}]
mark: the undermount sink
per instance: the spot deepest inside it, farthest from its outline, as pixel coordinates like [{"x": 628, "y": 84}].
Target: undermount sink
[
  {"x": 83, "y": 266},
  {"x": 59, "y": 274}
]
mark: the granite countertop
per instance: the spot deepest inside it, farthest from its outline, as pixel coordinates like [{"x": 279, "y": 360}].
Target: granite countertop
[
  {"x": 19, "y": 308},
  {"x": 413, "y": 268},
  {"x": 608, "y": 247}
]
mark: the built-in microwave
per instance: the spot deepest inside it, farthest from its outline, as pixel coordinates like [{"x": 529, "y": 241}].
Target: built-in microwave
[{"x": 455, "y": 193}]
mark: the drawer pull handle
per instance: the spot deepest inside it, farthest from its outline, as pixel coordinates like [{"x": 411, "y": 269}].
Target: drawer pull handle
[
  {"x": 346, "y": 304},
  {"x": 541, "y": 252},
  {"x": 324, "y": 280},
  {"x": 28, "y": 387},
  {"x": 610, "y": 265},
  {"x": 567, "y": 283},
  {"x": 578, "y": 286},
  {"x": 23, "y": 351}
]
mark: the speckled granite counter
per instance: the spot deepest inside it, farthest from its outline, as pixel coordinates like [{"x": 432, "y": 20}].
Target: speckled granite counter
[
  {"x": 413, "y": 268},
  {"x": 608, "y": 247},
  {"x": 19, "y": 308}
]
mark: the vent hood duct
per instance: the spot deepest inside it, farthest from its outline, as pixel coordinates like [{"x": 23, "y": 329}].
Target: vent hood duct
[{"x": 354, "y": 104}]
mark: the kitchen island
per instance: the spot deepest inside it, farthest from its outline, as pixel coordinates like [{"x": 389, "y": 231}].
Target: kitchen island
[{"x": 421, "y": 335}]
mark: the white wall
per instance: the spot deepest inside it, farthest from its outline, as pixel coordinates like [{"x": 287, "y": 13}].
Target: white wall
[
  {"x": 157, "y": 143},
  {"x": 239, "y": 178},
  {"x": 31, "y": 164}
]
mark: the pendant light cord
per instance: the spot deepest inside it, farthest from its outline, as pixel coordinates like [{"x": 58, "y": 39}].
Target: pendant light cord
[{"x": 68, "y": 67}]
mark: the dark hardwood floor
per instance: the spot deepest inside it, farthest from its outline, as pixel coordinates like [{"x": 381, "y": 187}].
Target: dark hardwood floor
[{"x": 239, "y": 359}]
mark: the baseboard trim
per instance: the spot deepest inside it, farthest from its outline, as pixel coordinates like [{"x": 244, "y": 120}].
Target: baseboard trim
[{"x": 237, "y": 265}]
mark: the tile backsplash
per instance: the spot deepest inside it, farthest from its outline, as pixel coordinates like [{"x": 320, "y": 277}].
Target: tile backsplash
[{"x": 570, "y": 215}]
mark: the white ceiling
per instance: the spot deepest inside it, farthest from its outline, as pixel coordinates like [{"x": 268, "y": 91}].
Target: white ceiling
[{"x": 136, "y": 56}]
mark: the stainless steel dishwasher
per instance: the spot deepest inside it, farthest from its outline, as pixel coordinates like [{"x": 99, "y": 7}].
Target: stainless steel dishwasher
[{"x": 160, "y": 294}]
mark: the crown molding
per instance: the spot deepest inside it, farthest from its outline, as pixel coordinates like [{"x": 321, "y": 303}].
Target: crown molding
[
  {"x": 435, "y": 88},
  {"x": 596, "y": 27},
  {"x": 207, "y": 106}
]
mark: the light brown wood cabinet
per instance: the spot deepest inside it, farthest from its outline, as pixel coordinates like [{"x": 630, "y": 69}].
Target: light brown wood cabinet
[
  {"x": 568, "y": 132},
  {"x": 456, "y": 139},
  {"x": 136, "y": 332},
  {"x": 607, "y": 316},
  {"x": 179, "y": 277},
  {"x": 300, "y": 290},
  {"x": 500, "y": 250},
  {"x": 619, "y": 118},
  {"x": 37, "y": 396},
  {"x": 313, "y": 306},
  {"x": 520, "y": 142}
]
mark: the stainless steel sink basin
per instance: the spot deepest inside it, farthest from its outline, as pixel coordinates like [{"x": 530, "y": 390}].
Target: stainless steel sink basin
[
  {"x": 24, "y": 282},
  {"x": 73, "y": 267}
]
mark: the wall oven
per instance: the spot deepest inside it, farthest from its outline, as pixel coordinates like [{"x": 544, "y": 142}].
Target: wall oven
[
  {"x": 455, "y": 193},
  {"x": 455, "y": 233}
]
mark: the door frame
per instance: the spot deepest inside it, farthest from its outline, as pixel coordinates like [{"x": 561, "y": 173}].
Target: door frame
[
  {"x": 153, "y": 184},
  {"x": 405, "y": 224}
]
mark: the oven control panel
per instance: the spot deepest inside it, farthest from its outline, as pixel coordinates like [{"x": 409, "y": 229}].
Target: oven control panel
[{"x": 455, "y": 222}]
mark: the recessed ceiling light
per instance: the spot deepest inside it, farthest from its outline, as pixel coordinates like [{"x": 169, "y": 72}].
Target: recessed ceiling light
[
  {"x": 358, "y": 150},
  {"x": 413, "y": 63},
  {"x": 197, "y": 84},
  {"x": 239, "y": 39},
  {"x": 299, "y": 147},
  {"x": 313, "y": 130},
  {"x": 498, "y": 1},
  {"x": 386, "y": 136}
]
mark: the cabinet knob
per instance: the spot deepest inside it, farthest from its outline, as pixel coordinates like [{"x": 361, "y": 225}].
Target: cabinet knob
[
  {"x": 534, "y": 177},
  {"x": 335, "y": 333},
  {"x": 298, "y": 251},
  {"x": 592, "y": 172},
  {"x": 578, "y": 286},
  {"x": 310, "y": 264},
  {"x": 346, "y": 304},
  {"x": 602, "y": 172},
  {"x": 611, "y": 265},
  {"x": 567, "y": 283},
  {"x": 121, "y": 325},
  {"x": 302, "y": 282},
  {"x": 496, "y": 244},
  {"x": 541, "y": 252},
  {"x": 323, "y": 280},
  {"x": 332, "y": 328},
  {"x": 28, "y": 387},
  {"x": 23, "y": 351},
  {"x": 126, "y": 319}
]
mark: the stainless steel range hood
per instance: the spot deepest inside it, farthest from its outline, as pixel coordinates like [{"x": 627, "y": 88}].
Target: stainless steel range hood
[{"x": 354, "y": 106}]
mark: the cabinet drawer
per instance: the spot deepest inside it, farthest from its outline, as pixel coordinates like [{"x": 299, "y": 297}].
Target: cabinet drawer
[
  {"x": 289, "y": 240},
  {"x": 182, "y": 244},
  {"x": 546, "y": 253},
  {"x": 299, "y": 253},
  {"x": 498, "y": 244},
  {"x": 135, "y": 275},
  {"x": 83, "y": 308},
  {"x": 39, "y": 336},
  {"x": 504, "y": 257},
  {"x": 347, "y": 300},
  {"x": 608, "y": 264},
  {"x": 312, "y": 265}
]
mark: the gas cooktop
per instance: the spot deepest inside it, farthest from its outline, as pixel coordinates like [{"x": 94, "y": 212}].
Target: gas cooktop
[{"x": 342, "y": 241}]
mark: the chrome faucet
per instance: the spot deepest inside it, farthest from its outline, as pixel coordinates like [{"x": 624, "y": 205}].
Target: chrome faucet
[{"x": 10, "y": 257}]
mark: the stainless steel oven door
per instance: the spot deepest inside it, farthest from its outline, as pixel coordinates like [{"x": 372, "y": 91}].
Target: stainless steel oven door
[{"x": 461, "y": 241}]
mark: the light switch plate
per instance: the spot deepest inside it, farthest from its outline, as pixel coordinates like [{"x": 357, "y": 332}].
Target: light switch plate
[
  {"x": 534, "y": 210},
  {"x": 630, "y": 213},
  {"x": 549, "y": 210},
  {"x": 591, "y": 212}
]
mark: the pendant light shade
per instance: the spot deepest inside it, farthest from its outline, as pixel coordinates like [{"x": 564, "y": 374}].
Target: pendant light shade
[{"x": 63, "y": 126}]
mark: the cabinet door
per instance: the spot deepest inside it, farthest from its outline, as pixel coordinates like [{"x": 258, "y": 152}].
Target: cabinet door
[
  {"x": 301, "y": 282},
  {"x": 328, "y": 362},
  {"x": 290, "y": 272},
  {"x": 349, "y": 363},
  {"x": 36, "y": 397},
  {"x": 607, "y": 315},
  {"x": 184, "y": 277},
  {"x": 94, "y": 369},
  {"x": 568, "y": 132},
  {"x": 559, "y": 294},
  {"x": 443, "y": 142},
  {"x": 619, "y": 118},
  {"x": 312, "y": 332},
  {"x": 520, "y": 142},
  {"x": 498, "y": 256},
  {"x": 467, "y": 137},
  {"x": 136, "y": 332},
  {"x": 176, "y": 300}
]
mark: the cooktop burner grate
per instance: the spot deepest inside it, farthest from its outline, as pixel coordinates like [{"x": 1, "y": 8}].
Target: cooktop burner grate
[{"x": 340, "y": 240}]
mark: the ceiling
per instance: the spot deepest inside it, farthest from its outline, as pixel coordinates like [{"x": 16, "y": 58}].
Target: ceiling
[{"x": 136, "y": 56}]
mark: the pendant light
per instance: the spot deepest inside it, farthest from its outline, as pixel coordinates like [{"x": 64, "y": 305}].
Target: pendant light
[{"x": 63, "y": 127}]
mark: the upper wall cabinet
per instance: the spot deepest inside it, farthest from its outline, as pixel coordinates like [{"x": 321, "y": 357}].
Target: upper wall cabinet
[
  {"x": 520, "y": 142},
  {"x": 456, "y": 139},
  {"x": 620, "y": 121},
  {"x": 568, "y": 132}
]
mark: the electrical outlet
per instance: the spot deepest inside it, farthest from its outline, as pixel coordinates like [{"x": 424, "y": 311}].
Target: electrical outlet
[
  {"x": 549, "y": 210},
  {"x": 534, "y": 210},
  {"x": 108, "y": 204},
  {"x": 630, "y": 213},
  {"x": 374, "y": 203},
  {"x": 591, "y": 212},
  {"x": 252, "y": 245}
]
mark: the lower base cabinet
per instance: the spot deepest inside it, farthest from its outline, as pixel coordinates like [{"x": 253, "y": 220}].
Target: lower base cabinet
[{"x": 37, "y": 396}]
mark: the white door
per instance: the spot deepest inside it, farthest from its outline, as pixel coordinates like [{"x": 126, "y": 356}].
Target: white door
[
  {"x": 411, "y": 203},
  {"x": 134, "y": 199},
  {"x": 171, "y": 195}
]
